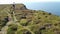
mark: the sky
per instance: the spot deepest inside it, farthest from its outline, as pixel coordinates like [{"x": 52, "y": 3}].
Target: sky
[{"x": 25, "y": 1}]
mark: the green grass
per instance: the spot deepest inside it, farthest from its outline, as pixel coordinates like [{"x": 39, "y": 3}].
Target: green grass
[{"x": 34, "y": 21}]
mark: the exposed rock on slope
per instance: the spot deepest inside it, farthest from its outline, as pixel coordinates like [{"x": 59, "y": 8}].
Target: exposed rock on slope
[{"x": 21, "y": 7}]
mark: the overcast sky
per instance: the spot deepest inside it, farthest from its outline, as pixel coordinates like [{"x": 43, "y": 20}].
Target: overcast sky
[{"x": 24, "y": 1}]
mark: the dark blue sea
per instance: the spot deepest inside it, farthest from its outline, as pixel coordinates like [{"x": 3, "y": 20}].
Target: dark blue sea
[{"x": 52, "y": 7}]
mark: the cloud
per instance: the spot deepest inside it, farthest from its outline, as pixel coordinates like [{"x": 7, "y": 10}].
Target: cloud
[{"x": 24, "y": 1}]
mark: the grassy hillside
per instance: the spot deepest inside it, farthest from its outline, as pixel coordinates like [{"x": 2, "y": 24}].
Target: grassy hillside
[{"x": 25, "y": 21}]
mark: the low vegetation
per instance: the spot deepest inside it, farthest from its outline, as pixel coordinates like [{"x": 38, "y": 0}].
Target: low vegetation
[{"x": 28, "y": 21}]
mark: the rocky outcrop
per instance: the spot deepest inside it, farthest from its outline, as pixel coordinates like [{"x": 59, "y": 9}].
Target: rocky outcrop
[{"x": 19, "y": 6}]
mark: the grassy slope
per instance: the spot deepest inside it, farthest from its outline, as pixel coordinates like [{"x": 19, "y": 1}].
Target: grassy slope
[{"x": 33, "y": 22}]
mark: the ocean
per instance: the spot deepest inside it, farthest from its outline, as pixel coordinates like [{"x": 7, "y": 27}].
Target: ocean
[{"x": 51, "y": 7}]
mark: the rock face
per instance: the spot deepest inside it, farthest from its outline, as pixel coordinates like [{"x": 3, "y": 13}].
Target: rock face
[{"x": 20, "y": 7}]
